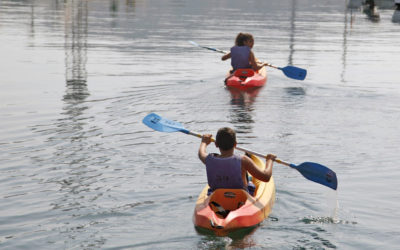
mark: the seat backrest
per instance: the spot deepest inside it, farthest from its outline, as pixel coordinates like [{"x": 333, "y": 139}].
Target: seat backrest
[{"x": 229, "y": 199}]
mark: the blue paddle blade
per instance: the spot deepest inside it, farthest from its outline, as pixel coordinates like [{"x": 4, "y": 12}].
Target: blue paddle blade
[
  {"x": 158, "y": 123},
  {"x": 294, "y": 72},
  {"x": 317, "y": 173}
]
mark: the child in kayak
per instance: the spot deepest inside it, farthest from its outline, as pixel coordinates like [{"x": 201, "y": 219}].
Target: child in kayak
[
  {"x": 227, "y": 170},
  {"x": 241, "y": 55}
]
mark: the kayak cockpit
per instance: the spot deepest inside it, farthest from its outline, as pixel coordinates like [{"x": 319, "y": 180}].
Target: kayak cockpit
[{"x": 223, "y": 201}]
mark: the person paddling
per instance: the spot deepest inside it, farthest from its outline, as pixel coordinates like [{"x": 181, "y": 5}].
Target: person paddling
[
  {"x": 242, "y": 57},
  {"x": 227, "y": 170}
]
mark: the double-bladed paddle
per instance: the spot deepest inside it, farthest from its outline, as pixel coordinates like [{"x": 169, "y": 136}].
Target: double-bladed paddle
[
  {"x": 289, "y": 71},
  {"x": 209, "y": 48},
  {"x": 312, "y": 171}
]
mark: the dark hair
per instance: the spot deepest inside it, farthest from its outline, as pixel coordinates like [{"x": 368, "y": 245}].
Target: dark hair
[
  {"x": 226, "y": 138},
  {"x": 243, "y": 37}
]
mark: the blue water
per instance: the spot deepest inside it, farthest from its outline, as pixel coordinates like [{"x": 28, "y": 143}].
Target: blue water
[{"x": 78, "y": 169}]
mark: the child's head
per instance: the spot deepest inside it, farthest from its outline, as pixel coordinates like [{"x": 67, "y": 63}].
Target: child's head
[
  {"x": 242, "y": 38},
  {"x": 226, "y": 138}
]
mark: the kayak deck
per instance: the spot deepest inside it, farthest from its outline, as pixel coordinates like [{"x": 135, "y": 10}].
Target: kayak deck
[
  {"x": 245, "y": 79},
  {"x": 228, "y": 210}
]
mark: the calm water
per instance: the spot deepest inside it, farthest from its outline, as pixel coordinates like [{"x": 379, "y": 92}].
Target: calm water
[{"x": 78, "y": 169}]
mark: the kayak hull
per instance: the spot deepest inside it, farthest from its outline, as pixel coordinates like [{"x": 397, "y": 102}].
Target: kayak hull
[
  {"x": 243, "y": 210},
  {"x": 247, "y": 81}
]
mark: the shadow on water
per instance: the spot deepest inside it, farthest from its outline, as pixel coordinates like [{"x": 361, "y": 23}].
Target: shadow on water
[
  {"x": 295, "y": 91},
  {"x": 241, "y": 109}
]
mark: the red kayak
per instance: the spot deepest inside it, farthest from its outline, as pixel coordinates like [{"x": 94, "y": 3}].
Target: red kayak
[{"x": 245, "y": 79}]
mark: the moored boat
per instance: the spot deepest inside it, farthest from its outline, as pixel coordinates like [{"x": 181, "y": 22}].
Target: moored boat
[
  {"x": 245, "y": 79},
  {"x": 228, "y": 210}
]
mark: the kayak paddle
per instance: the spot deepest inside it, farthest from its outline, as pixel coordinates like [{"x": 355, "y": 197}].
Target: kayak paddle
[
  {"x": 209, "y": 48},
  {"x": 289, "y": 71},
  {"x": 312, "y": 171},
  {"x": 292, "y": 71}
]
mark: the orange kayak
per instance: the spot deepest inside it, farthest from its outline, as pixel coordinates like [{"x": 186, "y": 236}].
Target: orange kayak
[
  {"x": 228, "y": 210},
  {"x": 245, "y": 79}
]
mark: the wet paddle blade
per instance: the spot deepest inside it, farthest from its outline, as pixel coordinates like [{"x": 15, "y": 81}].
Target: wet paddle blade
[
  {"x": 161, "y": 124},
  {"x": 294, "y": 72},
  {"x": 209, "y": 48},
  {"x": 194, "y": 43},
  {"x": 317, "y": 173}
]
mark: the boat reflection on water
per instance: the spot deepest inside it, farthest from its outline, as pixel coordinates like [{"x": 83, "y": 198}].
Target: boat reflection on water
[
  {"x": 242, "y": 107},
  {"x": 243, "y": 98}
]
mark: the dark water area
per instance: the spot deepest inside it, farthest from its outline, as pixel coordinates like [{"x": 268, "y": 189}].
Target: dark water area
[{"x": 79, "y": 170}]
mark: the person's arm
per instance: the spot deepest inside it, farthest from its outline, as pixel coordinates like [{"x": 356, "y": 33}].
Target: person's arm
[
  {"x": 255, "y": 171},
  {"x": 226, "y": 56},
  {"x": 205, "y": 140},
  {"x": 255, "y": 63}
]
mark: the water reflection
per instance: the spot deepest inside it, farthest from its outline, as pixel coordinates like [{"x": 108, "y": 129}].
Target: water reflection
[
  {"x": 74, "y": 162},
  {"x": 113, "y": 6},
  {"x": 79, "y": 182},
  {"x": 350, "y": 6},
  {"x": 292, "y": 33},
  {"x": 32, "y": 26},
  {"x": 241, "y": 109},
  {"x": 73, "y": 125},
  {"x": 76, "y": 30}
]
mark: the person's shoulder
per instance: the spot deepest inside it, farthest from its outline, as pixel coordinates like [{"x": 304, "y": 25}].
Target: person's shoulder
[
  {"x": 247, "y": 159},
  {"x": 244, "y": 158}
]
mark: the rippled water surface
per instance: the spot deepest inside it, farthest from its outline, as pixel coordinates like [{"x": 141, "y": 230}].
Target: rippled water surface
[{"x": 79, "y": 170}]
